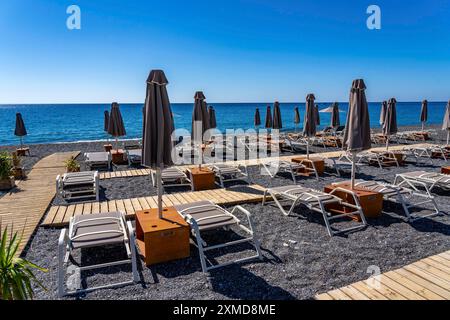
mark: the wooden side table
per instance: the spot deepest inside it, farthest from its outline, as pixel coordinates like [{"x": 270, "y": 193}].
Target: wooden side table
[
  {"x": 21, "y": 152},
  {"x": 162, "y": 240},
  {"x": 445, "y": 170},
  {"x": 319, "y": 163},
  {"x": 108, "y": 147},
  {"x": 202, "y": 179},
  {"x": 117, "y": 156},
  {"x": 371, "y": 202}
]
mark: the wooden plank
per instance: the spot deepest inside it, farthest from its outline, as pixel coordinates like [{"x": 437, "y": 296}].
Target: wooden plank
[
  {"x": 417, "y": 288},
  {"x": 144, "y": 204},
  {"x": 368, "y": 291},
  {"x": 338, "y": 295},
  {"x": 444, "y": 276},
  {"x": 50, "y": 215},
  {"x": 323, "y": 296},
  {"x": 120, "y": 206},
  {"x": 104, "y": 206},
  {"x": 59, "y": 218},
  {"x": 354, "y": 293},
  {"x": 440, "y": 260},
  {"x": 400, "y": 289},
  {"x": 428, "y": 276},
  {"x": 128, "y": 206},
  {"x": 112, "y": 206},
  {"x": 136, "y": 205},
  {"x": 87, "y": 208},
  {"x": 152, "y": 202},
  {"x": 424, "y": 283},
  {"x": 78, "y": 210},
  {"x": 95, "y": 207}
]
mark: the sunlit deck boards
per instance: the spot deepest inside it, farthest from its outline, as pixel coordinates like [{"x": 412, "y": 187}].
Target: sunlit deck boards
[
  {"x": 60, "y": 215},
  {"x": 23, "y": 208},
  {"x": 426, "y": 279}
]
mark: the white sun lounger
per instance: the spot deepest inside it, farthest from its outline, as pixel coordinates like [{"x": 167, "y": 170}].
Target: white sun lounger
[
  {"x": 134, "y": 156},
  {"x": 204, "y": 216},
  {"x": 428, "y": 180},
  {"x": 171, "y": 177},
  {"x": 340, "y": 165},
  {"x": 96, "y": 231},
  {"x": 317, "y": 201},
  {"x": 380, "y": 158},
  {"x": 279, "y": 166},
  {"x": 78, "y": 185},
  {"x": 226, "y": 173},
  {"x": 98, "y": 159},
  {"x": 404, "y": 196}
]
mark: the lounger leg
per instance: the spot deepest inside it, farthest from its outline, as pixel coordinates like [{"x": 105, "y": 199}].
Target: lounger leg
[
  {"x": 61, "y": 257},
  {"x": 132, "y": 240},
  {"x": 199, "y": 241}
]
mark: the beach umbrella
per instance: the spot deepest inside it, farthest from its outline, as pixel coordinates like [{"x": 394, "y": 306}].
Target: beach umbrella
[
  {"x": 20, "y": 130},
  {"x": 357, "y": 128},
  {"x": 200, "y": 121},
  {"x": 106, "y": 122},
  {"x": 212, "y": 117},
  {"x": 277, "y": 123},
  {"x": 116, "y": 128},
  {"x": 157, "y": 129},
  {"x": 268, "y": 123},
  {"x": 257, "y": 118},
  {"x": 390, "y": 121},
  {"x": 383, "y": 112},
  {"x": 424, "y": 113},
  {"x": 317, "y": 115},
  {"x": 446, "y": 122},
  {"x": 309, "y": 121},
  {"x": 296, "y": 118},
  {"x": 335, "y": 121}
]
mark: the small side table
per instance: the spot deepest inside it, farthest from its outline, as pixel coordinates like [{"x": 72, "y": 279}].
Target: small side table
[
  {"x": 21, "y": 152},
  {"x": 117, "y": 156},
  {"x": 319, "y": 163},
  {"x": 202, "y": 179},
  {"x": 108, "y": 147},
  {"x": 445, "y": 170},
  {"x": 162, "y": 240},
  {"x": 371, "y": 202}
]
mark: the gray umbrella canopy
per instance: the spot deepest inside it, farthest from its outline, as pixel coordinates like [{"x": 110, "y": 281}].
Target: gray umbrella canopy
[
  {"x": 357, "y": 128},
  {"x": 200, "y": 117},
  {"x": 116, "y": 127},
  {"x": 257, "y": 118},
  {"x": 335, "y": 121},
  {"x": 296, "y": 116},
  {"x": 268, "y": 123},
  {"x": 277, "y": 123},
  {"x": 383, "y": 112},
  {"x": 309, "y": 121},
  {"x": 446, "y": 121},
  {"x": 424, "y": 113},
  {"x": 157, "y": 129},
  {"x": 105, "y": 120},
  {"x": 212, "y": 117},
  {"x": 317, "y": 115},
  {"x": 390, "y": 120},
  {"x": 20, "y": 129}
]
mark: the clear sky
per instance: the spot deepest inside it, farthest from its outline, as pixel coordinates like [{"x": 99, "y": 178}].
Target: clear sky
[{"x": 235, "y": 51}]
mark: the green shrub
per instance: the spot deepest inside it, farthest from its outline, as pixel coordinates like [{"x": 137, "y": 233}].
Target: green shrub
[{"x": 5, "y": 165}]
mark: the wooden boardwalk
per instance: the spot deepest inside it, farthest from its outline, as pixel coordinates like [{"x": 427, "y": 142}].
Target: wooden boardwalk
[
  {"x": 59, "y": 216},
  {"x": 250, "y": 162},
  {"x": 24, "y": 206},
  {"x": 426, "y": 279}
]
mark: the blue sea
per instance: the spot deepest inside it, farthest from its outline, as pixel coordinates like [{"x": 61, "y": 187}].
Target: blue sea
[{"x": 51, "y": 123}]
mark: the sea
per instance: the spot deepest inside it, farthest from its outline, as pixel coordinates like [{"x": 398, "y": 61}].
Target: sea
[{"x": 62, "y": 123}]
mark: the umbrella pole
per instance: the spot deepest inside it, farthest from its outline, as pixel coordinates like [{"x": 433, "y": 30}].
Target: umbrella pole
[
  {"x": 159, "y": 186},
  {"x": 307, "y": 148},
  {"x": 21, "y": 143},
  {"x": 117, "y": 143},
  {"x": 387, "y": 143},
  {"x": 353, "y": 169},
  {"x": 448, "y": 136},
  {"x": 423, "y": 126}
]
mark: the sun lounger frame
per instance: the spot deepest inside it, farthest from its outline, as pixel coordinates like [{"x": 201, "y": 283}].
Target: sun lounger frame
[
  {"x": 288, "y": 167},
  {"x": 427, "y": 183},
  {"x": 88, "y": 181},
  {"x": 181, "y": 181},
  {"x": 236, "y": 175},
  {"x": 93, "y": 163}
]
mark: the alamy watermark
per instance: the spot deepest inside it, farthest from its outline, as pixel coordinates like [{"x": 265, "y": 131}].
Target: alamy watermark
[
  {"x": 374, "y": 280},
  {"x": 73, "y": 21},
  {"x": 374, "y": 20}
]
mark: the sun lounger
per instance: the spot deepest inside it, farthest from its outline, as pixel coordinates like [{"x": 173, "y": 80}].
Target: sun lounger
[
  {"x": 408, "y": 198},
  {"x": 317, "y": 201},
  {"x": 294, "y": 169},
  {"x": 381, "y": 158},
  {"x": 78, "y": 185},
  {"x": 226, "y": 173},
  {"x": 295, "y": 145},
  {"x": 98, "y": 159},
  {"x": 171, "y": 177},
  {"x": 205, "y": 216},
  {"x": 134, "y": 156},
  {"x": 428, "y": 180},
  {"x": 339, "y": 165},
  {"x": 417, "y": 153},
  {"x": 96, "y": 231}
]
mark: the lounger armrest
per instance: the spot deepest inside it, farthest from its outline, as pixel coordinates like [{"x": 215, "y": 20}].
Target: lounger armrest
[
  {"x": 355, "y": 198},
  {"x": 240, "y": 208}
]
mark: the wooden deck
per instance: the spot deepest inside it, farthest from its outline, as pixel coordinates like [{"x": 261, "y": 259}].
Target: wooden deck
[
  {"x": 426, "y": 279},
  {"x": 251, "y": 162},
  {"x": 59, "y": 216},
  {"x": 24, "y": 206}
]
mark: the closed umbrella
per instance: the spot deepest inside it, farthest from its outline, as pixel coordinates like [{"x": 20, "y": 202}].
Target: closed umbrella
[
  {"x": 212, "y": 117},
  {"x": 20, "y": 130},
  {"x": 277, "y": 123},
  {"x": 257, "y": 118},
  {"x": 309, "y": 121},
  {"x": 317, "y": 115},
  {"x": 157, "y": 129},
  {"x": 200, "y": 121},
  {"x": 446, "y": 122},
  {"x": 296, "y": 118},
  {"x": 424, "y": 113},
  {"x": 390, "y": 121},
  {"x": 268, "y": 123},
  {"x": 116, "y": 128},
  {"x": 335, "y": 121},
  {"x": 383, "y": 112},
  {"x": 357, "y": 128},
  {"x": 106, "y": 122}
]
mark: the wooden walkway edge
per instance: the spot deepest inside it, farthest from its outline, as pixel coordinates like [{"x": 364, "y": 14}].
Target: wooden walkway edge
[
  {"x": 59, "y": 216},
  {"x": 426, "y": 279},
  {"x": 23, "y": 208}
]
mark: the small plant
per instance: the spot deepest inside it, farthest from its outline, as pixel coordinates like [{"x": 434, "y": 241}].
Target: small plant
[
  {"x": 5, "y": 165},
  {"x": 16, "y": 160},
  {"x": 16, "y": 274},
  {"x": 72, "y": 165}
]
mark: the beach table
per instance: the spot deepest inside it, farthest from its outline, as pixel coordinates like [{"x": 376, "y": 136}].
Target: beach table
[
  {"x": 445, "y": 170},
  {"x": 21, "y": 152},
  {"x": 202, "y": 179},
  {"x": 371, "y": 202},
  {"x": 117, "y": 156},
  {"x": 422, "y": 135},
  {"x": 319, "y": 164},
  {"x": 108, "y": 147},
  {"x": 162, "y": 240}
]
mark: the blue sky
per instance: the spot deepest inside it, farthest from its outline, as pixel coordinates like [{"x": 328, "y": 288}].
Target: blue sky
[{"x": 247, "y": 50}]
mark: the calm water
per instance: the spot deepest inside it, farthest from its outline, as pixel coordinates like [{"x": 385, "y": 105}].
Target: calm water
[{"x": 84, "y": 122}]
